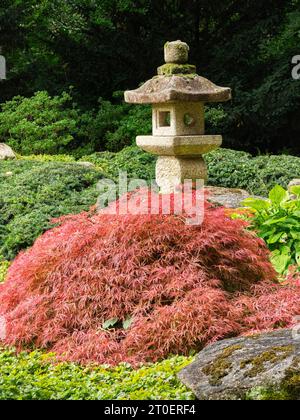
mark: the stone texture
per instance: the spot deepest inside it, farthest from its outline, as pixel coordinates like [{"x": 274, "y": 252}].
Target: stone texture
[
  {"x": 178, "y": 119},
  {"x": 187, "y": 88},
  {"x": 253, "y": 367},
  {"x": 176, "y": 52},
  {"x": 178, "y": 96},
  {"x": 293, "y": 183},
  {"x": 227, "y": 197},
  {"x": 6, "y": 152},
  {"x": 86, "y": 164},
  {"x": 172, "y": 171},
  {"x": 179, "y": 145}
]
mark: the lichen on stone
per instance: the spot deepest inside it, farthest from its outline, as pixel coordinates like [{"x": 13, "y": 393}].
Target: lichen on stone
[
  {"x": 218, "y": 369},
  {"x": 258, "y": 363},
  {"x": 178, "y": 69},
  {"x": 267, "y": 394}
]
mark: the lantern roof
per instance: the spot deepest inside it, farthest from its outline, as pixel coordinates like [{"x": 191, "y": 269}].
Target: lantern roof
[{"x": 177, "y": 81}]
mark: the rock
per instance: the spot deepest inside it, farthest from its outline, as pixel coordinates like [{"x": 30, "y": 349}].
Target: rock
[
  {"x": 227, "y": 197},
  {"x": 86, "y": 164},
  {"x": 265, "y": 366},
  {"x": 293, "y": 183},
  {"x": 6, "y": 152}
]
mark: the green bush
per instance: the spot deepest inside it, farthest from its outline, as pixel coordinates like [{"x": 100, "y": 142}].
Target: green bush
[
  {"x": 277, "y": 221},
  {"x": 137, "y": 164},
  {"x": 112, "y": 126},
  {"x": 49, "y": 158},
  {"x": 226, "y": 168},
  {"x": 32, "y": 193},
  {"x": 34, "y": 377},
  {"x": 40, "y": 124},
  {"x": 258, "y": 175}
]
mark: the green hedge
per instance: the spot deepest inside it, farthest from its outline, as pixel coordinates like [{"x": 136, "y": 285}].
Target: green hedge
[
  {"x": 134, "y": 161},
  {"x": 226, "y": 168},
  {"x": 32, "y": 193},
  {"x": 258, "y": 175},
  {"x": 34, "y": 377}
]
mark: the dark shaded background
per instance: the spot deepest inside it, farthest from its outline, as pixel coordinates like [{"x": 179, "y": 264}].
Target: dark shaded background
[{"x": 100, "y": 47}]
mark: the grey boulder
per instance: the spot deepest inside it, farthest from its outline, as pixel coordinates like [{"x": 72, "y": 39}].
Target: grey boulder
[
  {"x": 261, "y": 367},
  {"x": 6, "y": 152}
]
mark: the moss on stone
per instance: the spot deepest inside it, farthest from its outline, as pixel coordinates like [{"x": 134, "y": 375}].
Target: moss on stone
[
  {"x": 176, "y": 69},
  {"x": 291, "y": 382},
  {"x": 267, "y": 394},
  {"x": 258, "y": 363},
  {"x": 218, "y": 369}
]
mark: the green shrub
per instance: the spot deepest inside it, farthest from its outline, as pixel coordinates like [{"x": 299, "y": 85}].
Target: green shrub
[
  {"x": 34, "y": 377},
  {"x": 275, "y": 170},
  {"x": 258, "y": 175},
  {"x": 40, "y": 124},
  {"x": 226, "y": 168},
  {"x": 137, "y": 164},
  {"x": 49, "y": 158},
  {"x": 277, "y": 221},
  {"x": 113, "y": 126},
  {"x": 32, "y": 193}
]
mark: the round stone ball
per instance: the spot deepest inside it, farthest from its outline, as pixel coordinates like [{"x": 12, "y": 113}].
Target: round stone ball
[{"x": 176, "y": 52}]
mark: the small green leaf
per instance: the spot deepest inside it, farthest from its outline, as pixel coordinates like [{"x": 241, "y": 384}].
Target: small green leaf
[
  {"x": 256, "y": 204},
  {"x": 127, "y": 323},
  {"x": 280, "y": 262},
  {"x": 278, "y": 195},
  {"x": 275, "y": 238},
  {"x": 110, "y": 323},
  {"x": 275, "y": 221}
]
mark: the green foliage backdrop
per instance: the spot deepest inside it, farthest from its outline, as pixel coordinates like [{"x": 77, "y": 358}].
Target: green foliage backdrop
[{"x": 112, "y": 45}]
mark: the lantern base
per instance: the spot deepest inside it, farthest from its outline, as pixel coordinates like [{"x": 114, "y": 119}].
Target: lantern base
[{"x": 173, "y": 171}]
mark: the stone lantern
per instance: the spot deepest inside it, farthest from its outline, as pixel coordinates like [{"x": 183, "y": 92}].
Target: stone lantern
[{"x": 177, "y": 95}]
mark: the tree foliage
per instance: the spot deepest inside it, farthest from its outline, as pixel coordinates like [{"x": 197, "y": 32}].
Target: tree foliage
[{"x": 111, "y": 45}]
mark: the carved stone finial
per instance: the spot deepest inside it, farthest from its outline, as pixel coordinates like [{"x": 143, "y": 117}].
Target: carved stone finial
[{"x": 176, "y": 52}]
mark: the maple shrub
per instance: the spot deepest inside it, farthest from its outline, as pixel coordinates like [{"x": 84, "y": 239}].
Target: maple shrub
[{"x": 137, "y": 288}]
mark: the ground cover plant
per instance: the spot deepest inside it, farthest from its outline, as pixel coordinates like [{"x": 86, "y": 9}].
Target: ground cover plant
[
  {"x": 111, "y": 288},
  {"x": 36, "y": 376}
]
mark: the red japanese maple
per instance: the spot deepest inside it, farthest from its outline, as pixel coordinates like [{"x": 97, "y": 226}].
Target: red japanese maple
[{"x": 166, "y": 287}]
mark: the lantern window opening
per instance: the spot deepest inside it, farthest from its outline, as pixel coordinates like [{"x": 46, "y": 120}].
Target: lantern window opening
[{"x": 163, "y": 119}]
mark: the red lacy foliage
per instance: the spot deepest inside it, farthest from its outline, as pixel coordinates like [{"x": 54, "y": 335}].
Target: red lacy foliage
[{"x": 183, "y": 286}]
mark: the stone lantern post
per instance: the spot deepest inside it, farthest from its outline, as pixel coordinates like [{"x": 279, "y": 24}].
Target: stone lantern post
[{"x": 177, "y": 95}]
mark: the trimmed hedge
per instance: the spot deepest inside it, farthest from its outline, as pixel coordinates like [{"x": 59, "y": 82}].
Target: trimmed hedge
[
  {"x": 258, "y": 175},
  {"x": 137, "y": 164},
  {"x": 34, "y": 376},
  {"x": 226, "y": 168},
  {"x": 32, "y": 193}
]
